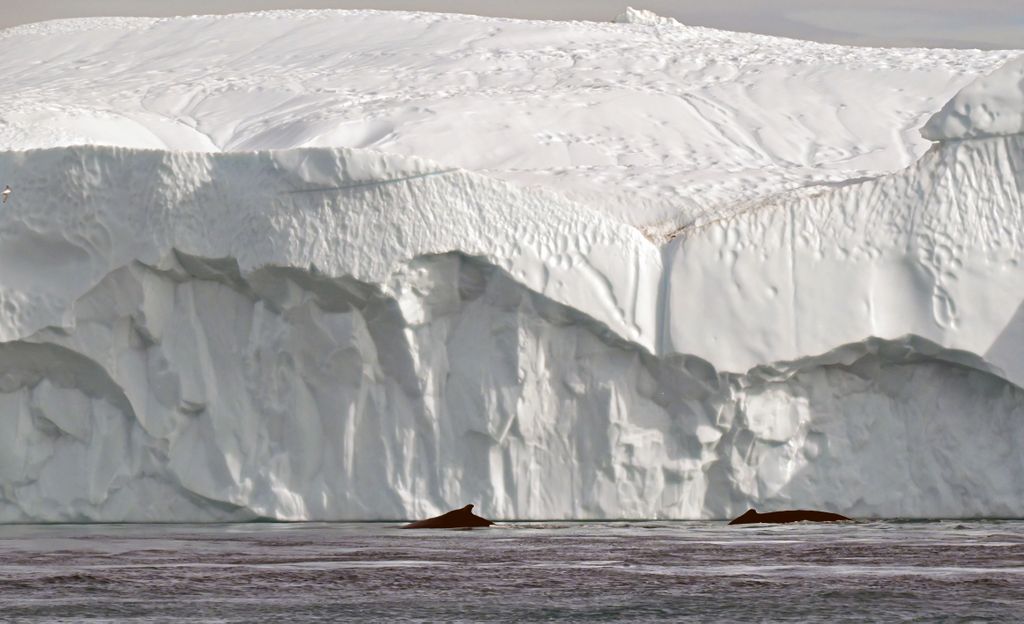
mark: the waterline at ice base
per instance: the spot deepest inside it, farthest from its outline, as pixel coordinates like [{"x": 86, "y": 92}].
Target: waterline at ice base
[{"x": 661, "y": 272}]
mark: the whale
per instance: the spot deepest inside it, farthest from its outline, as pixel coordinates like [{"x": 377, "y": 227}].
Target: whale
[
  {"x": 793, "y": 515},
  {"x": 463, "y": 518}
]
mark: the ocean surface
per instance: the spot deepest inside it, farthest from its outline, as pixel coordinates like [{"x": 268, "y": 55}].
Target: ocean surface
[{"x": 594, "y": 572}]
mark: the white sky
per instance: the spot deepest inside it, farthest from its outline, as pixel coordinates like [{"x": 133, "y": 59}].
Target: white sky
[{"x": 947, "y": 23}]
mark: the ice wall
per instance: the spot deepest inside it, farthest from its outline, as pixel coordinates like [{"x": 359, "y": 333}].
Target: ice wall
[
  {"x": 339, "y": 334},
  {"x": 192, "y": 392}
]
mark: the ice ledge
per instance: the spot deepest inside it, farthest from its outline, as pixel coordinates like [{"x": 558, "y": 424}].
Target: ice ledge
[
  {"x": 78, "y": 212},
  {"x": 991, "y": 106}
]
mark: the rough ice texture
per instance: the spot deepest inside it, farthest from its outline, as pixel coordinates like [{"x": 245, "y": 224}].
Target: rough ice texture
[
  {"x": 329, "y": 333},
  {"x": 81, "y": 212},
  {"x": 210, "y": 349},
  {"x": 991, "y": 106},
  {"x": 653, "y": 122},
  {"x": 936, "y": 251}
]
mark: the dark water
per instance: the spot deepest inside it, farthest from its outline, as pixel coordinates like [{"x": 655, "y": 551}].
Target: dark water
[{"x": 700, "y": 571}]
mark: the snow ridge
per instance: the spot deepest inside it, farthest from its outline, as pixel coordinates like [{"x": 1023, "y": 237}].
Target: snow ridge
[
  {"x": 991, "y": 106},
  {"x": 644, "y": 17}
]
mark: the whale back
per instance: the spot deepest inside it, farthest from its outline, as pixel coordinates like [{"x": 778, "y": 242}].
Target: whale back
[
  {"x": 463, "y": 518},
  {"x": 793, "y": 515},
  {"x": 748, "y": 517}
]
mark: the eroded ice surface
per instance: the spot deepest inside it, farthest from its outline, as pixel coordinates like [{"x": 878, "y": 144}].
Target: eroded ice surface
[
  {"x": 652, "y": 122},
  {"x": 345, "y": 333}
]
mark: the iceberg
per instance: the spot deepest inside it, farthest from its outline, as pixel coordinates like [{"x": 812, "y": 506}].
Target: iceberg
[
  {"x": 989, "y": 107},
  {"x": 215, "y": 307}
]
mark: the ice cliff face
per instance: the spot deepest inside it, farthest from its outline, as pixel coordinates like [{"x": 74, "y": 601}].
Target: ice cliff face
[
  {"x": 330, "y": 333},
  {"x": 934, "y": 251},
  {"x": 190, "y": 392},
  {"x": 82, "y": 212}
]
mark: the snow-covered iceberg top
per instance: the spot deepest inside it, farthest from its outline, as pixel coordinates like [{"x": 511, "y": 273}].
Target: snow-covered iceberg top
[
  {"x": 654, "y": 123},
  {"x": 990, "y": 106},
  {"x": 644, "y": 17}
]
